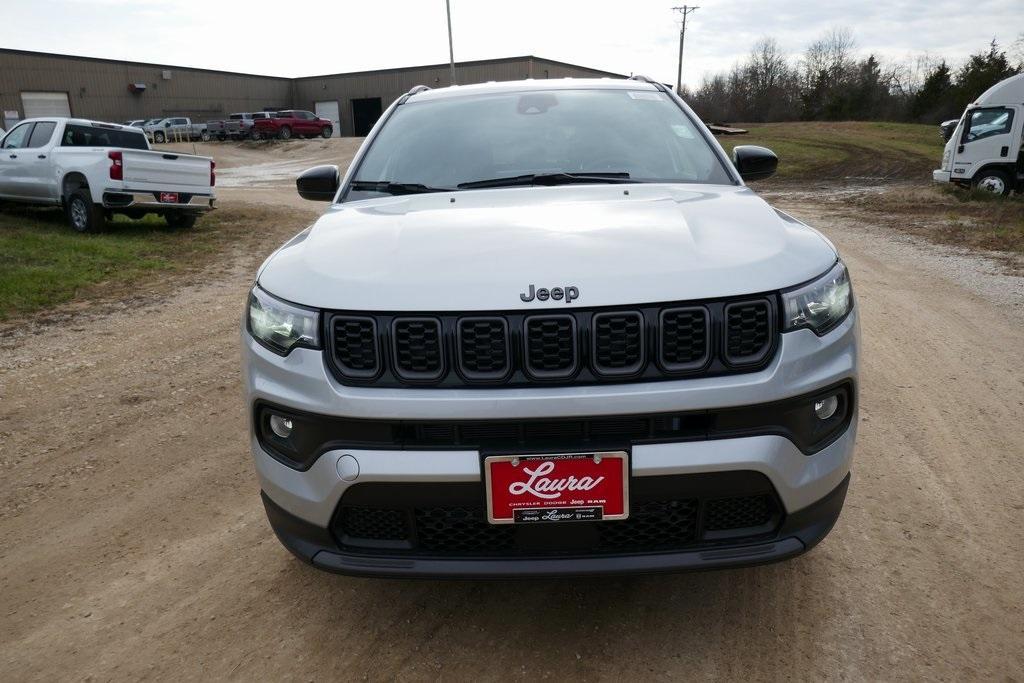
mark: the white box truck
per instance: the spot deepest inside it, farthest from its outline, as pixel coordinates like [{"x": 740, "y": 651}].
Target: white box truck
[{"x": 985, "y": 149}]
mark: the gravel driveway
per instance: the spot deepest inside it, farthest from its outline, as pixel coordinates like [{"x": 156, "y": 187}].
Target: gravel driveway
[{"x": 133, "y": 542}]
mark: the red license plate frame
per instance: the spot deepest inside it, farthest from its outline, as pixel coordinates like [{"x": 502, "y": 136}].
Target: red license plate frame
[
  {"x": 562, "y": 487},
  {"x": 168, "y": 197}
]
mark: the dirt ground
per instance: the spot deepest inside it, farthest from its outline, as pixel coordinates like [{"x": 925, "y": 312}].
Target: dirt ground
[{"x": 133, "y": 543}]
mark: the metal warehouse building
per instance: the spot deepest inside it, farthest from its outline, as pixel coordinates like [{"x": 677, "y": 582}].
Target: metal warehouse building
[{"x": 40, "y": 84}]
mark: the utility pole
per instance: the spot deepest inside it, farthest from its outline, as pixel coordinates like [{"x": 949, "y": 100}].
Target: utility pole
[
  {"x": 451, "y": 49},
  {"x": 684, "y": 10}
]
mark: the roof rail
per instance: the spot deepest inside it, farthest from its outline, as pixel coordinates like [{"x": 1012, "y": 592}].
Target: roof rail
[
  {"x": 647, "y": 79},
  {"x": 412, "y": 91}
]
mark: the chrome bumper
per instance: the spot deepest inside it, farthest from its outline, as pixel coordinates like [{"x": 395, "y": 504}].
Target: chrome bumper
[{"x": 129, "y": 199}]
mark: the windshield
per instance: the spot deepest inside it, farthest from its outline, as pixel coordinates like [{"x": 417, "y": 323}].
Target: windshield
[{"x": 444, "y": 143}]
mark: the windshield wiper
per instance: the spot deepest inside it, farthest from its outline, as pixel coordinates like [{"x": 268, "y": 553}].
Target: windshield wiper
[
  {"x": 388, "y": 187},
  {"x": 549, "y": 179}
]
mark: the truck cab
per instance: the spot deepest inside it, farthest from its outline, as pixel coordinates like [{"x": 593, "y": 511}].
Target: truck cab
[{"x": 985, "y": 149}]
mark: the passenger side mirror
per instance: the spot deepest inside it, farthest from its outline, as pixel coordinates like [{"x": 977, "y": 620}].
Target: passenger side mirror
[
  {"x": 753, "y": 162},
  {"x": 319, "y": 184}
]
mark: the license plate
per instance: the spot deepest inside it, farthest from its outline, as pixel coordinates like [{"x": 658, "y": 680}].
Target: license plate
[
  {"x": 169, "y": 197},
  {"x": 568, "y": 487}
]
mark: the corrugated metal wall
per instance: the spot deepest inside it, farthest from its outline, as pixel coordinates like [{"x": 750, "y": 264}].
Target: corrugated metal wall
[
  {"x": 393, "y": 83},
  {"x": 100, "y": 89}
]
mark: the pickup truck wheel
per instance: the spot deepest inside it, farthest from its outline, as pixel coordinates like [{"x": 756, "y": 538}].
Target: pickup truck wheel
[
  {"x": 285, "y": 133},
  {"x": 994, "y": 181},
  {"x": 159, "y": 137},
  {"x": 182, "y": 221},
  {"x": 83, "y": 215},
  {"x": 327, "y": 132},
  {"x": 255, "y": 135},
  {"x": 222, "y": 137},
  {"x": 205, "y": 136}
]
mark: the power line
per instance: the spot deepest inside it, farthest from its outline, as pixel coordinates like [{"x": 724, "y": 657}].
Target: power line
[{"x": 685, "y": 10}]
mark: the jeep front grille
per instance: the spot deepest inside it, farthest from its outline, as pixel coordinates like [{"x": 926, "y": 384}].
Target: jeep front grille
[{"x": 553, "y": 347}]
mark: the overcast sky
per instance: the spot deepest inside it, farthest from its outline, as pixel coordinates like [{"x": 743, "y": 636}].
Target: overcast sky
[{"x": 296, "y": 38}]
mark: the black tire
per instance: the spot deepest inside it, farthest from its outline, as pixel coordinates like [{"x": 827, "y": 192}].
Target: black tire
[
  {"x": 84, "y": 216},
  {"x": 222, "y": 137},
  {"x": 159, "y": 137},
  {"x": 205, "y": 136},
  {"x": 327, "y": 132},
  {"x": 180, "y": 221},
  {"x": 254, "y": 135},
  {"x": 285, "y": 133},
  {"x": 993, "y": 181}
]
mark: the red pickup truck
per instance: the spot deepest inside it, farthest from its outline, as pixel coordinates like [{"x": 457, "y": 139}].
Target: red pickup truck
[{"x": 291, "y": 122}]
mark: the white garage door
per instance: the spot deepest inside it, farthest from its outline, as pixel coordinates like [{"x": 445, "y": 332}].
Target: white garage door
[
  {"x": 45, "y": 104},
  {"x": 329, "y": 110}
]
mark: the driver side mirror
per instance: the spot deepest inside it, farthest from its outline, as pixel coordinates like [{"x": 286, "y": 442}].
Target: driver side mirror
[
  {"x": 753, "y": 162},
  {"x": 319, "y": 184}
]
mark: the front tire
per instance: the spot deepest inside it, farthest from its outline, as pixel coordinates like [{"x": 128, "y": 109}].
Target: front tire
[
  {"x": 205, "y": 136},
  {"x": 84, "y": 216},
  {"x": 285, "y": 133},
  {"x": 255, "y": 135},
  {"x": 993, "y": 182},
  {"x": 327, "y": 132},
  {"x": 159, "y": 138},
  {"x": 180, "y": 221}
]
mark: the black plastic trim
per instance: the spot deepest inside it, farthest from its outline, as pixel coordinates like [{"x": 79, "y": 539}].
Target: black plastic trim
[
  {"x": 641, "y": 361},
  {"x": 584, "y": 373},
  {"x": 697, "y": 365},
  {"x": 476, "y": 376},
  {"x": 413, "y": 376},
  {"x": 551, "y": 375},
  {"x": 753, "y": 360},
  {"x": 353, "y": 373},
  {"x": 790, "y": 418},
  {"x": 800, "y": 532}
]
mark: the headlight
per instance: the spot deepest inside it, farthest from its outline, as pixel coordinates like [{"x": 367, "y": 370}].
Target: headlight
[
  {"x": 281, "y": 326},
  {"x": 820, "y": 305}
]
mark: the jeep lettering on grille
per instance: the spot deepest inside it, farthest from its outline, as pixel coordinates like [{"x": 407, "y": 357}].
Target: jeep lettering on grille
[{"x": 568, "y": 294}]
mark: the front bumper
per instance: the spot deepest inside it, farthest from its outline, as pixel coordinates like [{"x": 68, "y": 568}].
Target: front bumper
[
  {"x": 940, "y": 176},
  {"x": 810, "y": 488}
]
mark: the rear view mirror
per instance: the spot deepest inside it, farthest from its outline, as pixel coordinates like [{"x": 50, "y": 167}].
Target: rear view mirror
[
  {"x": 753, "y": 162},
  {"x": 319, "y": 184}
]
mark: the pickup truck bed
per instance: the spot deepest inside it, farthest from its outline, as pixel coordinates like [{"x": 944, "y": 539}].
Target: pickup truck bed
[{"x": 96, "y": 169}]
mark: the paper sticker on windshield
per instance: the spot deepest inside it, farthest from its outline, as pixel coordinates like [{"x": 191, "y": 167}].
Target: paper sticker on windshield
[
  {"x": 644, "y": 95},
  {"x": 682, "y": 131}
]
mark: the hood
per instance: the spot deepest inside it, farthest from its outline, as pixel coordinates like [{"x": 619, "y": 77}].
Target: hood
[{"x": 482, "y": 250}]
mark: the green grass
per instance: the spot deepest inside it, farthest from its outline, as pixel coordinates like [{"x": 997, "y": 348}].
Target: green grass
[
  {"x": 43, "y": 263},
  {"x": 830, "y": 151}
]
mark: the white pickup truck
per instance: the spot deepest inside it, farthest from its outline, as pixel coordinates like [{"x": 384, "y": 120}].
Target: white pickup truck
[
  {"x": 94, "y": 170},
  {"x": 176, "y": 128}
]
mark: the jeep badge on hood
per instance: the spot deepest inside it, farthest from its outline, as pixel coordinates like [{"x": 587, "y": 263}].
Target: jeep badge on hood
[{"x": 569, "y": 294}]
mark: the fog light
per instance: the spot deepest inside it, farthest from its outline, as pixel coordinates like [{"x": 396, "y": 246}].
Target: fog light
[
  {"x": 282, "y": 426},
  {"x": 824, "y": 409}
]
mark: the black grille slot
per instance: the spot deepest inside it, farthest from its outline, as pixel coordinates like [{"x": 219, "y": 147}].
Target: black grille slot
[
  {"x": 484, "y": 348},
  {"x": 374, "y": 524},
  {"x": 551, "y": 346},
  {"x": 748, "y": 332},
  {"x": 418, "y": 352},
  {"x": 739, "y": 513},
  {"x": 618, "y": 343},
  {"x": 355, "y": 346},
  {"x": 685, "y": 338}
]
